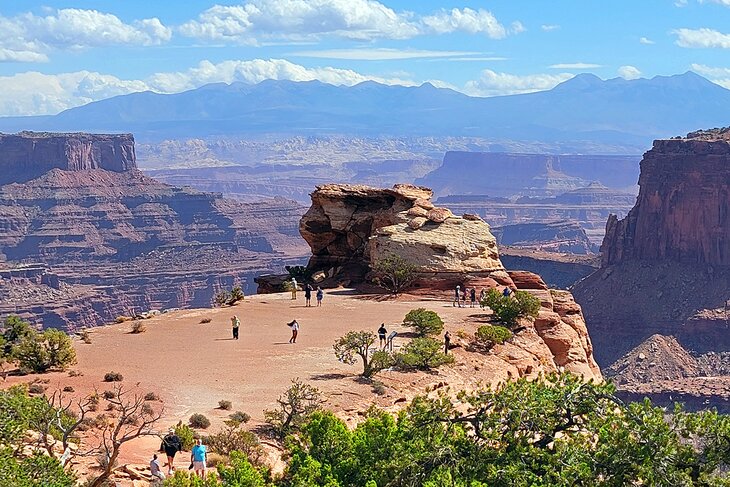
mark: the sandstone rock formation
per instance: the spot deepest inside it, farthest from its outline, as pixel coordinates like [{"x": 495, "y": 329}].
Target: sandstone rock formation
[
  {"x": 557, "y": 236},
  {"x": 682, "y": 213},
  {"x": 120, "y": 242},
  {"x": 349, "y": 228}
]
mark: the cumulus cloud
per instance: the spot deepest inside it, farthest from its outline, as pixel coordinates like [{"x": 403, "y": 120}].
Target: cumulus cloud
[
  {"x": 702, "y": 38},
  {"x": 260, "y": 20},
  {"x": 646, "y": 41},
  {"x": 629, "y": 72},
  {"x": 574, "y": 66},
  {"x": 34, "y": 93},
  {"x": 720, "y": 76},
  {"x": 28, "y": 37},
  {"x": 491, "y": 83}
]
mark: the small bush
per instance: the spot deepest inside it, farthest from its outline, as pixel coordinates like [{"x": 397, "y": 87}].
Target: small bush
[
  {"x": 215, "y": 459},
  {"x": 205, "y": 320},
  {"x": 424, "y": 322},
  {"x": 85, "y": 336},
  {"x": 43, "y": 351},
  {"x": 75, "y": 373},
  {"x": 36, "y": 389},
  {"x": 122, "y": 319},
  {"x": 379, "y": 388},
  {"x": 225, "y": 405},
  {"x": 234, "y": 438},
  {"x": 487, "y": 335},
  {"x": 187, "y": 436},
  {"x": 68, "y": 389},
  {"x": 297, "y": 403},
  {"x": 240, "y": 417},
  {"x": 508, "y": 309},
  {"x": 93, "y": 402},
  {"x": 199, "y": 421},
  {"x": 423, "y": 354},
  {"x": 394, "y": 273},
  {"x": 109, "y": 394},
  {"x": 236, "y": 295},
  {"x": 138, "y": 327},
  {"x": 113, "y": 377},
  {"x": 151, "y": 396}
]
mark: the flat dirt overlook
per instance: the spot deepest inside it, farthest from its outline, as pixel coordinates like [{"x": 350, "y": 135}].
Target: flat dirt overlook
[{"x": 192, "y": 365}]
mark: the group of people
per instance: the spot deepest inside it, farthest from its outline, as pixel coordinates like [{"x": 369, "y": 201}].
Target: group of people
[
  {"x": 308, "y": 289},
  {"x": 461, "y": 295},
  {"x": 171, "y": 445},
  {"x": 386, "y": 341}
]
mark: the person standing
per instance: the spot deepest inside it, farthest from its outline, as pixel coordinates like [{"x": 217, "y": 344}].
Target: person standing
[
  {"x": 294, "y": 331},
  {"x": 447, "y": 342},
  {"x": 457, "y": 297},
  {"x": 308, "y": 295},
  {"x": 382, "y": 333},
  {"x": 198, "y": 456},
  {"x": 155, "y": 469},
  {"x": 320, "y": 295},
  {"x": 235, "y": 324},
  {"x": 171, "y": 444},
  {"x": 482, "y": 295},
  {"x": 507, "y": 291},
  {"x": 294, "y": 288},
  {"x": 473, "y": 296}
]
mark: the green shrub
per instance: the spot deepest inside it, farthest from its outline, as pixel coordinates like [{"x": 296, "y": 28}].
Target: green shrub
[
  {"x": 151, "y": 396},
  {"x": 234, "y": 438},
  {"x": 225, "y": 405},
  {"x": 199, "y": 421},
  {"x": 423, "y": 354},
  {"x": 113, "y": 377},
  {"x": 43, "y": 351},
  {"x": 239, "y": 417},
  {"x": 186, "y": 434},
  {"x": 487, "y": 335},
  {"x": 508, "y": 309},
  {"x": 295, "y": 405},
  {"x": 36, "y": 388},
  {"x": 109, "y": 394},
  {"x": 357, "y": 344},
  {"x": 138, "y": 327},
  {"x": 424, "y": 322},
  {"x": 236, "y": 295},
  {"x": 393, "y": 273}
]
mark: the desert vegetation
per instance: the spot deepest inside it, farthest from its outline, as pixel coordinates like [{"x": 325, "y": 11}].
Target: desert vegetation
[
  {"x": 508, "y": 309},
  {"x": 394, "y": 273},
  {"x": 228, "y": 298},
  {"x": 34, "y": 351}
]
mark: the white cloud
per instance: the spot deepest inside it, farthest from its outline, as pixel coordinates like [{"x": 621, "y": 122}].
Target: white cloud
[
  {"x": 574, "y": 66},
  {"x": 29, "y": 38},
  {"x": 721, "y": 2},
  {"x": 258, "y": 21},
  {"x": 34, "y": 93},
  {"x": 629, "y": 72},
  {"x": 702, "y": 38},
  {"x": 646, "y": 41},
  {"x": 549, "y": 27},
  {"x": 491, "y": 83},
  {"x": 720, "y": 76},
  {"x": 380, "y": 54}
]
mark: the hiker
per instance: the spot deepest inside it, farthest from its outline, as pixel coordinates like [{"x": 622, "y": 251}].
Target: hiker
[
  {"x": 463, "y": 296},
  {"x": 308, "y": 295},
  {"x": 382, "y": 332},
  {"x": 507, "y": 291},
  {"x": 482, "y": 295},
  {"x": 457, "y": 292},
  {"x": 320, "y": 295},
  {"x": 155, "y": 468},
  {"x": 235, "y": 324},
  {"x": 294, "y": 330},
  {"x": 198, "y": 457},
  {"x": 293, "y": 288},
  {"x": 171, "y": 444},
  {"x": 447, "y": 342},
  {"x": 473, "y": 296}
]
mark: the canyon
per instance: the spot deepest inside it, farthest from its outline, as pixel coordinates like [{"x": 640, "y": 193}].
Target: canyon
[
  {"x": 86, "y": 237},
  {"x": 665, "y": 272}
]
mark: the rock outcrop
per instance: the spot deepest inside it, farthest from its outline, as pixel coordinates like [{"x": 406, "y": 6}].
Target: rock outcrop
[
  {"x": 349, "y": 228},
  {"x": 682, "y": 213},
  {"x": 121, "y": 242},
  {"x": 27, "y": 155},
  {"x": 557, "y": 236}
]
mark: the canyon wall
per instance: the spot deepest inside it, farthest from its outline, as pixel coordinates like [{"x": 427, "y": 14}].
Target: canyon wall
[
  {"x": 682, "y": 213},
  {"x": 27, "y": 155}
]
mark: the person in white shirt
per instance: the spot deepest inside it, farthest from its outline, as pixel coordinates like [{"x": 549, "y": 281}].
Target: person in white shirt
[
  {"x": 294, "y": 331},
  {"x": 155, "y": 468}
]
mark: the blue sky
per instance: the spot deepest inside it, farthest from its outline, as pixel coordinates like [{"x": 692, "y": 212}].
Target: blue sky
[{"x": 58, "y": 54}]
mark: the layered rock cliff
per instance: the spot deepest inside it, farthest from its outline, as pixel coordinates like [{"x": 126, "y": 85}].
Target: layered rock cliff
[
  {"x": 121, "y": 242},
  {"x": 682, "y": 213},
  {"x": 27, "y": 155}
]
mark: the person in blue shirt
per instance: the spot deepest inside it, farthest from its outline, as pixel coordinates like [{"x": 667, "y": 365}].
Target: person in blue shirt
[{"x": 198, "y": 457}]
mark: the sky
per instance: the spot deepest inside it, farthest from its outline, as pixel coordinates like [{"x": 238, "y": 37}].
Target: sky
[{"x": 56, "y": 55}]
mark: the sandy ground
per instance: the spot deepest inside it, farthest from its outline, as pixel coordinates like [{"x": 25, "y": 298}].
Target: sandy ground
[{"x": 192, "y": 365}]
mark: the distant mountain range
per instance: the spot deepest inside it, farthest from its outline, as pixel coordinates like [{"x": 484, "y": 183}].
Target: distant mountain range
[{"x": 584, "y": 108}]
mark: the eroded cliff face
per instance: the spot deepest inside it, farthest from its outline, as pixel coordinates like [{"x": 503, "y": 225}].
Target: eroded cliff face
[
  {"x": 121, "y": 242},
  {"x": 27, "y": 155},
  {"x": 349, "y": 228},
  {"x": 682, "y": 213}
]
